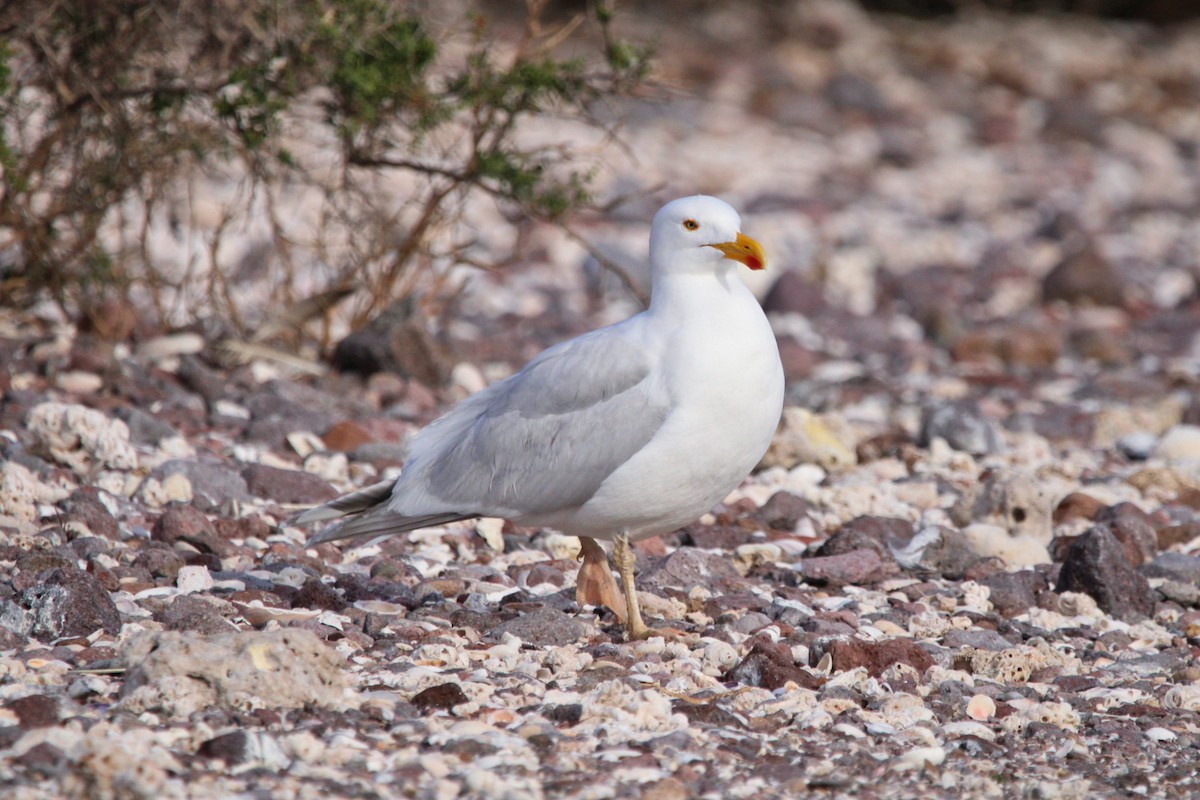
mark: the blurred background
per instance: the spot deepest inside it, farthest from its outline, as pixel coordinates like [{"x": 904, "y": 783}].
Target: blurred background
[{"x": 401, "y": 186}]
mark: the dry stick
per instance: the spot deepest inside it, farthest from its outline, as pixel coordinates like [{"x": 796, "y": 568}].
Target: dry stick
[{"x": 607, "y": 263}]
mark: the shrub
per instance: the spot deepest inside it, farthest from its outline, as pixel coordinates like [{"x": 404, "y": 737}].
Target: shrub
[{"x": 387, "y": 117}]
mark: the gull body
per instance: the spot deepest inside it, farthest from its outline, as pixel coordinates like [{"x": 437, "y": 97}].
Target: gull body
[{"x": 625, "y": 432}]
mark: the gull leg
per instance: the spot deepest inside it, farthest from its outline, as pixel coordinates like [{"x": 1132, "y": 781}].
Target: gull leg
[
  {"x": 625, "y": 559},
  {"x": 595, "y": 585}
]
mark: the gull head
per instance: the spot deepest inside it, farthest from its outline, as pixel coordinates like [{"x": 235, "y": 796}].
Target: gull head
[{"x": 699, "y": 233}]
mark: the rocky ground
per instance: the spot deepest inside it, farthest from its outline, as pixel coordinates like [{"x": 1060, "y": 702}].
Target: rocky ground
[{"x": 967, "y": 568}]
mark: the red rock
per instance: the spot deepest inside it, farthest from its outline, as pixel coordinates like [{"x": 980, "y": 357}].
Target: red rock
[
  {"x": 1077, "y": 505},
  {"x": 1134, "y": 529},
  {"x": 1177, "y": 534},
  {"x": 878, "y": 656},
  {"x": 442, "y": 696},
  {"x": 35, "y": 710},
  {"x": 855, "y": 567},
  {"x": 770, "y": 666},
  {"x": 345, "y": 436},
  {"x": 188, "y": 524},
  {"x": 287, "y": 485},
  {"x": 1096, "y": 565}
]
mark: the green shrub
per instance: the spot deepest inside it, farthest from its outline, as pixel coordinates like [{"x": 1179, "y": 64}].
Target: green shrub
[{"x": 107, "y": 107}]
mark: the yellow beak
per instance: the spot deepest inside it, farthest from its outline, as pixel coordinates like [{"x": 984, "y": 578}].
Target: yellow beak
[{"x": 745, "y": 250}]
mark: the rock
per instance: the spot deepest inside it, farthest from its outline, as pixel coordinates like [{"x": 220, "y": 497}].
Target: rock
[
  {"x": 961, "y": 426},
  {"x": 345, "y": 436},
  {"x": 145, "y": 428},
  {"x": 545, "y": 627},
  {"x": 1180, "y": 444},
  {"x": 792, "y": 293},
  {"x": 854, "y": 567},
  {"x": 1096, "y": 565},
  {"x": 1076, "y": 505},
  {"x": 315, "y": 593},
  {"x": 1175, "y": 566},
  {"x": 715, "y": 537},
  {"x": 398, "y": 341},
  {"x": 870, "y": 532},
  {"x": 85, "y": 514},
  {"x": 992, "y": 541},
  {"x": 877, "y": 656},
  {"x": 35, "y": 710},
  {"x": 287, "y": 485},
  {"x": 68, "y": 602},
  {"x": 188, "y": 524},
  {"x": 1013, "y": 593},
  {"x": 215, "y": 482},
  {"x": 688, "y": 567},
  {"x": 936, "y": 549},
  {"x": 178, "y": 674},
  {"x": 1133, "y": 529},
  {"x": 770, "y": 666},
  {"x": 783, "y": 511},
  {"x": 81, "y": 438},
  {"x": 805, "y": 438},
  {"x": 444, "y": 696},
  {"x": 194, "y": 614},
  {"x": 1084, "y": 277},
  {"x": 1137, "y": 446},
  {"x": 1181, "y": 534},
  {"x": 1019, "y": 501}
]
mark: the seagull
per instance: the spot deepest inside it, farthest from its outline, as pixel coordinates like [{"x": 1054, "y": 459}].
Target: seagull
[{"x": 628, "y": 431}]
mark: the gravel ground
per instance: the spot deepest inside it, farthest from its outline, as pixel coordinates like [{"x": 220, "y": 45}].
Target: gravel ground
[{"x": 967, "y": 568}]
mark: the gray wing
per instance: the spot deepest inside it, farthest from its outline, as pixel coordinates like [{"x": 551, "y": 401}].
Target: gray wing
[{"x": 542, "y": 440}]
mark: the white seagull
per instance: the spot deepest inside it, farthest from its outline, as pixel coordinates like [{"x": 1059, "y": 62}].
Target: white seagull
[{"x": 622, "y": 433}]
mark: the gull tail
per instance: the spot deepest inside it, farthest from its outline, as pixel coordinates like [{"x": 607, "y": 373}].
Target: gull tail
[{"x": 371, "y": 517}]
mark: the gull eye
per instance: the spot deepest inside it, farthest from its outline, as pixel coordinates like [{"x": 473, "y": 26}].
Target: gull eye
[{"x": 691, "y": 224}]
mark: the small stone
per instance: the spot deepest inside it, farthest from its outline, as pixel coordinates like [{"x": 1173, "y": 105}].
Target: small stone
[
  {"x": 1096, "y": 565},
  {"x": 194, "y": 614},
  {"x": 35, "y": 710},
  {"x": 981, "y": 707},
  {"x": 190, "y": 525},
  {"x": 1181, "y": 534},
  {"x": 878, "y": 656},
  {"x": 854, "y": 567},
  {"x": 770, "y": 666},
  {"x": 545, "y": 627},
  {"x": 1076, "y": 505},
  {"x": 69, "y": 602},
  {"x": 1180, "y": 444},
  {"x": 1014, "y": 593},
  {"x": 687, "y": 568},
  {"x": 1134, "y": 529},
  {"x": 232, "y": 748},
  {"x": 1084, "y": 277},
  {"x": 345, "y": 436},
  {"x": 1137, "y": 446},
  {"x": 961, "y": 426},
  {"x": 805, "y": 438},
  {"x": 287, "y": 485},
  {"x": 444, "y": 696},
  {"x": 190, "y": 580},
  {"x": 783, "y": 511},
  {"x": 1176, "y": 566}
]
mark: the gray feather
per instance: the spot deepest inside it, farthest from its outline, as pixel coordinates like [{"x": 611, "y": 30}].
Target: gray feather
[
  {"x": 542, "y": 440},
  {"x": 353, "y": 503},
  {"x": 381, "y": 523}
]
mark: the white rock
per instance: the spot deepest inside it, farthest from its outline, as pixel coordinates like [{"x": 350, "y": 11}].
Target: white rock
[
  {"x": 194, "y": 579},
  {"x": 919, "y": 758},
  {"x": 1180, "y": 444},
  {"x": 81, "y": 437},
  {"x": 1158, "y": 734}
]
